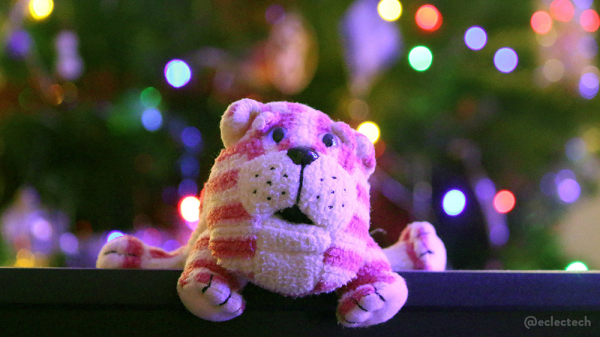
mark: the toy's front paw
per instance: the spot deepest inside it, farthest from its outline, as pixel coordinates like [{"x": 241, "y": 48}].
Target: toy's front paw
[
  {"x": 208, "y": 296},
  {"x": 369, "y": 305},
  {"x": 424, "y": 247},
  {"x": 123, "y": 252}
]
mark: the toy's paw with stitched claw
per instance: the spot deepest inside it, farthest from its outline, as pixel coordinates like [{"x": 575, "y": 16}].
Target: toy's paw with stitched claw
[
  {"x": 208, "y": 296},
  {"x": 418, "y": 248},
  {"x": 123, "y": 252},
  {"x": 372, "y": 304},
  {"x": 424, "y": 247}
]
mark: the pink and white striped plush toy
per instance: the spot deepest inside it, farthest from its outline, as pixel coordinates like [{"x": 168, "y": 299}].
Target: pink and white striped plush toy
[{"x": 286, "y": 207}]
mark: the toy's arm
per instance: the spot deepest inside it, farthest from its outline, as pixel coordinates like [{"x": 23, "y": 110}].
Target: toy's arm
[
  {"x": 128, "y": 252},
  {"x": 207, "y": 289},
  {"x": 417, "y": 248},
  {"x": 375, "y": 295}
]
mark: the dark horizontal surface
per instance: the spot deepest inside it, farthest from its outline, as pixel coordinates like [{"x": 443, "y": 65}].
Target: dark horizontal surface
[{"x": 111, "y": 302}]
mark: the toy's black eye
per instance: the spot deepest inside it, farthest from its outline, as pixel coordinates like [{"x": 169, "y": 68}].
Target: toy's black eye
[
  {"x": 329, "y": 140},
  {"x": 277, "y": 134}
]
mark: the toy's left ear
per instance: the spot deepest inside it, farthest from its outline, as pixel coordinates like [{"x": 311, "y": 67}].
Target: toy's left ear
[
  {"x": 237, "y": 119},
  {"x": 365, "y": 152}
]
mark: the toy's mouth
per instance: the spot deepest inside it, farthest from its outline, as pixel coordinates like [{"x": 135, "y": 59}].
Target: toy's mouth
[{"x": 294, "y": 215}]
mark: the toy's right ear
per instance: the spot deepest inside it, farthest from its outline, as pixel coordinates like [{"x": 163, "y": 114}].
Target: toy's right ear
[{"x": 237, "y": 119}]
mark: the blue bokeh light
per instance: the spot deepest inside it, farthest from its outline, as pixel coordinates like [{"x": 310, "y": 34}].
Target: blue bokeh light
[
  {"x": 588, "y": 85},
  {"x": 454, "y": 202},
  {"x": 187, "y": 187},
  {"x": 113, "y": 235},
  {"x": 506, "y": 60},
  {"x": 191, "y": 137},
  {"x": 178, "y": 73},
  {"x": 569, "y": 190},
  {"x": 190, "y": 167},
  {"x": 152, "y": 119},
  {"x": 475, "y": 38},
  {"x": 485, "y": 189}
]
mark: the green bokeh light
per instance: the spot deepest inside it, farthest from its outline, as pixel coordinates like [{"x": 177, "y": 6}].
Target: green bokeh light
[
  {"x": 150, "y": 97},
  {"x": 420, "y": 58},
  {"x": 576, "y": 266}
]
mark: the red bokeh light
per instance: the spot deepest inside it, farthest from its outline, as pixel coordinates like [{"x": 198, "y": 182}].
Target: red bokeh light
[
  {"x": 541, "y": 22},
  {"x": 562, "y": 10},
  {"x": 428, "y": 18},
  {"x": 589, "y": 20},
  {"x": 504, "y": 201}
]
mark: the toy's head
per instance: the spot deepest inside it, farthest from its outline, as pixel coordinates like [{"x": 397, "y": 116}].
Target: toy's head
[{"x": 287, "y": 201}]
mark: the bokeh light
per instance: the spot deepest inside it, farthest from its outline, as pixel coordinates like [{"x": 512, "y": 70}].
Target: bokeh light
[
  {"x": 41, "y": 229},
  {"x": 187, "y": 186},
  {"x": 499, "y": 234},
  {"x": 40, "y": 9},
  {"x": 370, "y": 130},
  {"x": 152, "y": 119},
  {"x": 548, "y": 39},
  {"x": 428, "y": 18},
  {"x": 576, "y": 149},
  {"x": 274, "y": 14},
  {"x": 150, "y": 97},
  {"x": 177, "y": 73},
  {"x": 191, "y": 137},
  {"x": 19, "y": 43},
  {"x": 553, "y": 70},
  {"x": 568, "y": 190},
  {"x": 541, "y": 22},
  {"x": 389, "y": 10},
  {"x": 189, "y": 208},
  {"x": 588, "y": 85},
  {"x": 69, "y": 243},
  {"x": 576, "y": 266},
  {"x": 113, "y": 235},
  {"x": 190, "y": 167},
  {"x": 506, "y": 60},
  {"x": 583, "y": 4},
  {"x": 504, "y": 201},
  {"x": 475, "y": 38},
  {"x": 485, "y": 189},
  {"x": 562, "y": 10},
  {"x": 420, "y": 58},
  {"x": 589, "y": 20},
  {"x": 587, "y": 47},
  {"x": 454, "y": 202}
]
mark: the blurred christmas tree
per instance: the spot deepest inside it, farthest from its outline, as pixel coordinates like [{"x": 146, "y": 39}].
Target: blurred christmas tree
[{"x": 109, "y": 111}]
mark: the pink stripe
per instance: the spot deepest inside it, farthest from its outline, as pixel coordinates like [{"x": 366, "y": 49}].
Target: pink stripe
[
  {"x": 252, "y": 148},
  {"x": 362, "y": 194},
  {"x": 219, "y": 273},
  {"x": 357, "y": 227},
  {"x": 223, "y": 181},
  {"x": 346, "y": 158},
  {"x": 239, "y": 248},
  {"x": 134, "y": 250},
  {"x": 341, "y": 258},
  {"x": 201, "y": 244},
  {"x": 324, "y": 287},
  {"x": 234, "y": 211},
  {"x": 157, "y": 253},
  {"x": 412, "y": 255},
  {"x": 371, "y": 273}
]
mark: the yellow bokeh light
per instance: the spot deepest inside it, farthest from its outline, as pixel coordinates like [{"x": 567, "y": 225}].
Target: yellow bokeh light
[
  {"x": 389, "y": 10},
  {"x": 369, "y": 129},
  {"x": 40, "y": 9}
]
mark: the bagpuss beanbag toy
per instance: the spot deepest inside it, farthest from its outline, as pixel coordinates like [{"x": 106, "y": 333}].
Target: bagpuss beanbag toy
[{"x": 286, "y": 207}]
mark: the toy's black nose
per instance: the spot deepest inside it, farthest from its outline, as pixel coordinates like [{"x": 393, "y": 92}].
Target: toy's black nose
[{"x": 302, "y": 155}]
